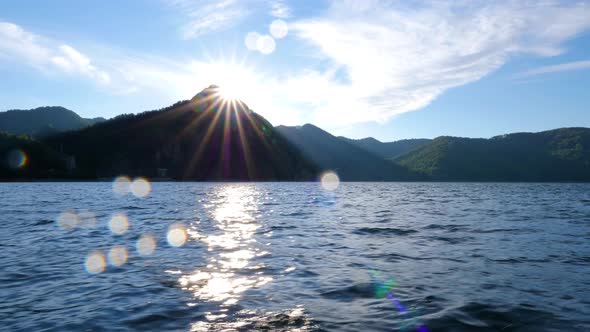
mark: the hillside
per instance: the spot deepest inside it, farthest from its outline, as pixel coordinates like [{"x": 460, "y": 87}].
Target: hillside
[
  {"x": 387, "y": 149},
  {"x": 43, "y": 121},
  {"x": 554, "y": 155},
  {"x": 204, "y": 139},
  {"x": 351, "y": 162}
]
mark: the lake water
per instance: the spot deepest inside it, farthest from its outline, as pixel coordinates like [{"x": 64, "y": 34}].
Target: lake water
[{"x": 295, "y": 257}]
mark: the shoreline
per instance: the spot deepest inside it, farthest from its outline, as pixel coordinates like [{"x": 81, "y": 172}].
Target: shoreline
[{"x": 276, "y": 181}]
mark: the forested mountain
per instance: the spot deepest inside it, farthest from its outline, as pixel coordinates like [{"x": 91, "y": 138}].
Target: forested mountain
[
  {"x": 351, "y": 162},
  {"x": 204, "y": 139},
  {"x": 387, "y": 149},
  {"x": 208, "y": 138},
  {"x": 554, "y": 155},
  {"x": 43, "y": 121}
]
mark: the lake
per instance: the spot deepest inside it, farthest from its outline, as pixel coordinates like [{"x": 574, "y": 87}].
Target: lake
[{"x": 295, "y": 257}]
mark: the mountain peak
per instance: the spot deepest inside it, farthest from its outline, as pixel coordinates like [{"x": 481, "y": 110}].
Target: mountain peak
[
  {"x": 370, "y": 140},
  {"x": 213, "y": 98},
  {"x": 210, "y": 91}
]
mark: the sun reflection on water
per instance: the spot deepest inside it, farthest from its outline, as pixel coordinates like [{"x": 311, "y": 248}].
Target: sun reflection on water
[{"x": 233, "y": 211}]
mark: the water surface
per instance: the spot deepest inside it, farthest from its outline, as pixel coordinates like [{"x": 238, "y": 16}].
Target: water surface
[{"x": 295, "y": 257}]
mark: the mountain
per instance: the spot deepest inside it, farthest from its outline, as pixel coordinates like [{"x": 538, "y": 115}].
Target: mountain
[
  {"x": 350, "y": 162},
  {"x": 554, "y": 155},
  {"x": 204, "y": 139},
  {"x": 43, "y": 121},
  {"x": 208, "y": 138},
  {"x": 387, "y": 149}
]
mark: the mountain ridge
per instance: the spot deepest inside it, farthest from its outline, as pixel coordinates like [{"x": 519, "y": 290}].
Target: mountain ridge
[
  {"x": 352, "y": 163},
  {"x": 207, "y": 138},
  {"x": 202, "y": 139},
  {"x": 43, "y": 121},
  {"x": 387, "y": 149},
  {"x": 561, "y": 154}
]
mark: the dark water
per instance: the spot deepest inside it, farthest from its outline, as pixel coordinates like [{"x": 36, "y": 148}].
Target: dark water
[{"x": 294, "y": 257}]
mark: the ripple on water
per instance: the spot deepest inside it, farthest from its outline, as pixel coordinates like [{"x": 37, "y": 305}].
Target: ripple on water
[
  {"x": 476, "y": 316},
  {"x": 292, "y": 257},
  {"x": 383, "y": 231},
  {"x": 256, "y": 320}
]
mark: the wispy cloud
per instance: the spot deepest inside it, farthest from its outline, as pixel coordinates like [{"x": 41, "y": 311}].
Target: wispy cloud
[
  {"x": 378, "y": 59},
  {"x": 569, "y": 66},
  {"x": 17, "y": 44},
  {"x": 398, "y": 59},
  {"x": 208, "y": 16},
  {"x": 280, "y": 9}
]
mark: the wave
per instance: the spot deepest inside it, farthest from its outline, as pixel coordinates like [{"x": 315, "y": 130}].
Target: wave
[{"x": 384, "y": 231}]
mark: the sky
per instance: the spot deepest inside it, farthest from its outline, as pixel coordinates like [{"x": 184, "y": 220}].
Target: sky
[{"x": 387, "y": 69}]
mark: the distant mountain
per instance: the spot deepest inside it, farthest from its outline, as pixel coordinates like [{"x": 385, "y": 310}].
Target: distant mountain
[
  {"x": 208, "y": 138},
  {"x": 43, "y": 121},
  {"x": 554, "y": 155},
  {"x": 387, "y": 149},
  {"x": 204, "y": 139},
  {"x": 351, "y": 162}
]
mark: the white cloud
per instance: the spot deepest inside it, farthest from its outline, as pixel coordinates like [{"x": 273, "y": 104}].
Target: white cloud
[
  {"x": 398, "y": 59},
  {"x": 72, "y": 61},
  {"x": 382, "y": 58},
  {"x": 17, "y": 44},
  {"x": 569, "y": 66}
]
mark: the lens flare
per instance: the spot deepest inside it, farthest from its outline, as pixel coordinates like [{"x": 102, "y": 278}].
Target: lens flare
[
  {"x": 87, "y": 219},
  {"x": 95, "y": 262},
  {"x": 384, "y": 289},
  {"x": 146, "y": 245},
  {"x": 17, "y": 159},
  {"x": 265, "y": 44},
  {"x": 279, "y": 29},
  {"x": 176, "y": 235},
  {"x": 251, "y": 41},
  {"x": 119, "y": 224},
  {"x": 330, "y": 181},
  {"x": 68, "y": 220},
  {"x": 118, "y": 255},
  {"x": 121, "y": 185},
  {"x": 141, "y": 187}
]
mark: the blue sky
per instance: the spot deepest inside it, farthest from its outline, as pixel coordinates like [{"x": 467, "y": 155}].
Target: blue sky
[{"x": 387, "y": 69}]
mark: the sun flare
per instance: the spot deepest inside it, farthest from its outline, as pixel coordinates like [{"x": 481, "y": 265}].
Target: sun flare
[
  {"x": 235, "y": 82},
  {"x": 229, "y": 92}
]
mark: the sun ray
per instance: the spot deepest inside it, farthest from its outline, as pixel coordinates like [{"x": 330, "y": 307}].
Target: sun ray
[
  {"x": 245, "y": 147},
  {"x": 226, "y": 140},
  {"x": 206, "y": 138},
  {"x": 198, "y": 119},
  {"x": 257, "y": 130}
]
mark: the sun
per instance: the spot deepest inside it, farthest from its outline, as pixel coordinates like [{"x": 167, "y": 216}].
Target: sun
[
  {"x": 235, "y": 81},
  {"x": 230, "y": 92}
]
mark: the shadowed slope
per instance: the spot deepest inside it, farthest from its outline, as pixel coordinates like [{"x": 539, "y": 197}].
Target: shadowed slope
[
  {"x": 351, "y": 162},
  {"x": 206, "y": 138}
]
